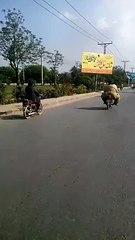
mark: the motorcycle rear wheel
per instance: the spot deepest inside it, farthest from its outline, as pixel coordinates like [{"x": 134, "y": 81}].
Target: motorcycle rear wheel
[
  {"x": 26, "y": 112},
  {"x": 108, "y": 104}
]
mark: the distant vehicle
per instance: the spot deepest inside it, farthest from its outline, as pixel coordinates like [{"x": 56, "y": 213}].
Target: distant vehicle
[
  {"x": 121, "y": 87},
  {"x": 132, "y": 86}
]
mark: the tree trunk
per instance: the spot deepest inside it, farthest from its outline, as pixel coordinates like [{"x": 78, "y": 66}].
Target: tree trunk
[
  {"x": 54, "y": 75},
  {"x": 17, "y": 75}
]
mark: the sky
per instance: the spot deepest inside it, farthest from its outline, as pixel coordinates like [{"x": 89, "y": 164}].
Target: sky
[{"x": 113, "y": 19}]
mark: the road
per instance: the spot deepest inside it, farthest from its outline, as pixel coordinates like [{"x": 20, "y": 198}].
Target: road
[{"x": 70, "y": 173}]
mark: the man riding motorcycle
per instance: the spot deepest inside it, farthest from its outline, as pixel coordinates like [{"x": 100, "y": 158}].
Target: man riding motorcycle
[
  {"x": 32, "y": 94},
  {"x": 113, "y": 91}
]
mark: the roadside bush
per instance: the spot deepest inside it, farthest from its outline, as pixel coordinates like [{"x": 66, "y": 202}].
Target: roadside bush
[
  {"x": 80, "y": 89},
  {"x": 18, "y": 93},
  {"x": 2, "y": 93},
  {"x": 47, "y": 91},
  {"x": 59, "y": 90},
  {"x": 11, "y": 94},
  {"x": 68, "y": 89},
  {"x": 55, "y": 90},
  {"x": 51, "y": 91}
]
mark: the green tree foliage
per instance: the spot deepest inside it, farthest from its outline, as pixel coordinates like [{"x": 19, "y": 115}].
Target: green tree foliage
[
  {"x": 64, "y": 78},
  {"x": 75, "y": 75},
  {"x": 53, "y": 76},
  {"x": 7, "y": 75},
  {"x": 34, "y": 72},
  {"x": 88, "y": 81},
  {"x": 55, "y": 60},
  {"x": 79, "y": 78},
  {"x": 118, "y": 76},
  {"x": 17, "y": 44}
]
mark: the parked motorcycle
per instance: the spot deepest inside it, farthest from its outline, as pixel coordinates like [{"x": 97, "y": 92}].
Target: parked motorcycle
[{"x": 30, "y": 108}]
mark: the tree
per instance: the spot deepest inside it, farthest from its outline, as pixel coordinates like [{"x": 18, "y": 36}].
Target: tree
[
  {"x": 53, "y": 76},
  {"x": 64, "y": 78},
  {"x": 118, "y": 76},
  {"x": 34, "y": 72},
  {"x": 17, "y": 44},
  {"x": 79, "y": 78},
  {"x": 75, "y": 75},
  {"x": 88, "y": 81},
  {"x": 55, "y": 60},
  {"x": 7, "y": 74}
]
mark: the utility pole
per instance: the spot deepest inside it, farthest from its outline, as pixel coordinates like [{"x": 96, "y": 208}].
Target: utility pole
[
  {"x": 104, "y": 44},
  {"x": 125, "y": 61},
  {"x": 41, "y": 56},
  {"x": 132, "y": 68},
  {"x": 42, "y": 77}
]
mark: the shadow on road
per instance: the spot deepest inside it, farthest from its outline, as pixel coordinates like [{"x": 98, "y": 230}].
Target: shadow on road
[
  {"x": 12, "y": 117},
  {"x": 93, "y": 108}
]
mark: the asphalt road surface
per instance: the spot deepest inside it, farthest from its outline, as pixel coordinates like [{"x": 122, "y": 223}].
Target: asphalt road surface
[{"x": 70, "y": 173}]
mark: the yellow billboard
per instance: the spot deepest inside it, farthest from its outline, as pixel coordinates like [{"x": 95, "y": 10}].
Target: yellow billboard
[{"x": 97, "y": 63}]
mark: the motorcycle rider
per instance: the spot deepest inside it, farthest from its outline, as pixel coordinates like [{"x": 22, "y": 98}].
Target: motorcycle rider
[
  {"x": 112, "y": 90},
  {"x": 32, "y": 94}
]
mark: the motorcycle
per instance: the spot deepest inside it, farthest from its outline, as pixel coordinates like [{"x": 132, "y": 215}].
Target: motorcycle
[
  {"x": 109, "y": 101},
  {"x": 30, "y": 108}
]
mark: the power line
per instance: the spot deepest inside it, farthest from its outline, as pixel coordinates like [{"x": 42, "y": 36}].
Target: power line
[
  {"x": 118, "y": 50},
  {"x": 63, "y": 21},
  {"x": 114, "y": 54},
  {"x": 92, "y": 38},
  {"x": 70, "y": 20},
  {"x": 105, "y": 44},
  {"x": 91, "y": 25},
  {"x": 86, "y": 19},
  {"x": 110, "y": 51}
]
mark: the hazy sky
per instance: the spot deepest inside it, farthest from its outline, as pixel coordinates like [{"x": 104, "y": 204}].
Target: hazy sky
[{"x": 114, "y": 19}]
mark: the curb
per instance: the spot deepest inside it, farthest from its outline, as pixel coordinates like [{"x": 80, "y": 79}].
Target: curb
[
  {"x": 57, "y": 102},
  {"x": 9, "y": 112}
]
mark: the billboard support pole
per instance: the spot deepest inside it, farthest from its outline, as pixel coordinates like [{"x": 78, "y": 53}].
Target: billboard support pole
[{"x": 95, "y": 82}]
